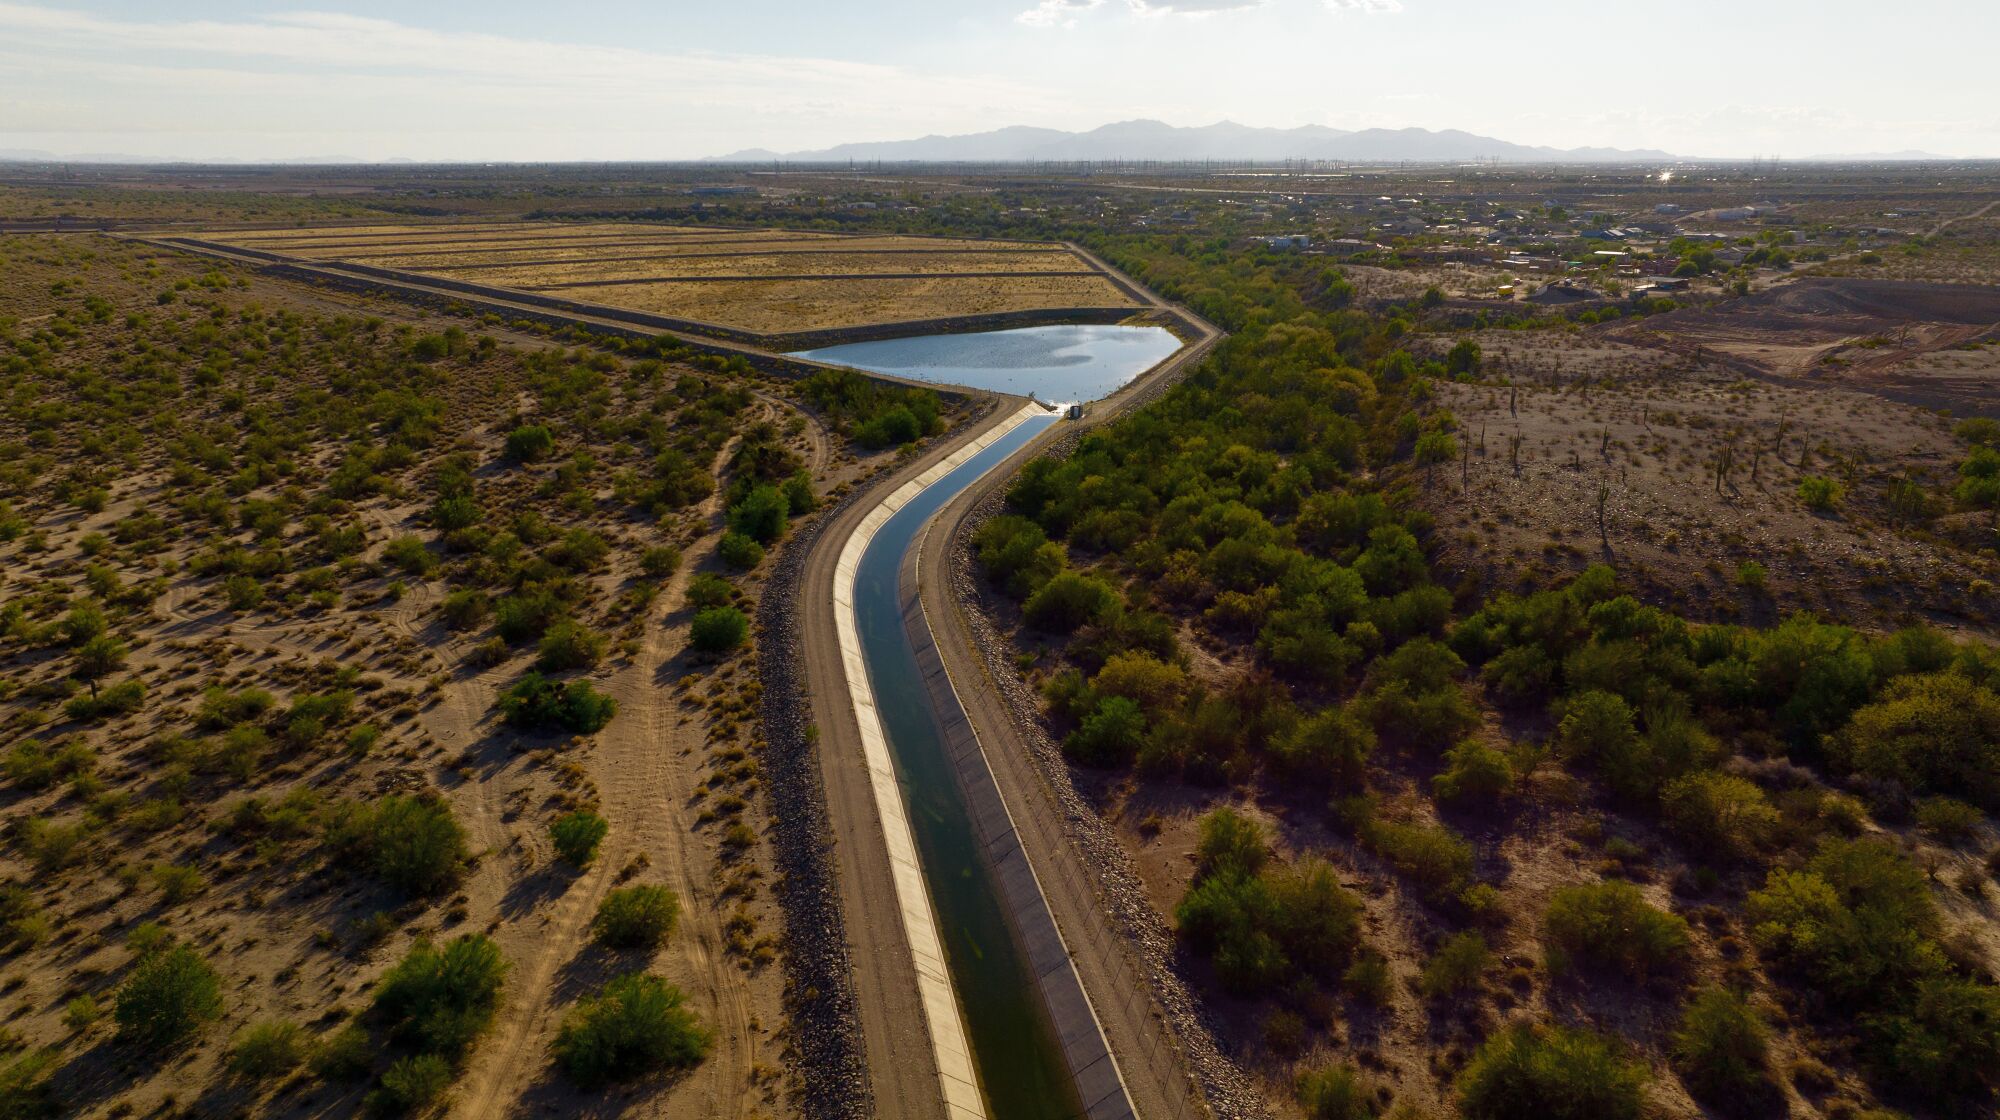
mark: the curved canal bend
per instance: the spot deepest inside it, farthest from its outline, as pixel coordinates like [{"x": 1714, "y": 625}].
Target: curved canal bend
[{"x": 1019, "y": 1061}]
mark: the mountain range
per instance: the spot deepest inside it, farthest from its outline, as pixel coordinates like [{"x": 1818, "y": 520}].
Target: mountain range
[{"x": 1227, "y": 140}]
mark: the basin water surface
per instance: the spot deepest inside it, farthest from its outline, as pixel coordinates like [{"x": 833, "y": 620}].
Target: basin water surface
[{"x": 1063, "y": 363}]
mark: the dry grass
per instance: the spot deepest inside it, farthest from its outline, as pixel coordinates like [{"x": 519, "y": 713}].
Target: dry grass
[{"x": 548, "y": 256}]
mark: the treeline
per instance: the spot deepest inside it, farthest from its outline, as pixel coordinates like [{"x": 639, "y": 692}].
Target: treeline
[{"x": 1256, "y": 506}]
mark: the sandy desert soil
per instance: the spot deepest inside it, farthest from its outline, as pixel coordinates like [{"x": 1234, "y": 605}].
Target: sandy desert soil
[{"x": 143, "y": 494}]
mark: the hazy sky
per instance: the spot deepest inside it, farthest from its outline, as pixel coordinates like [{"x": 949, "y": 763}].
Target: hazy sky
[{"x": 646, "y": 79}]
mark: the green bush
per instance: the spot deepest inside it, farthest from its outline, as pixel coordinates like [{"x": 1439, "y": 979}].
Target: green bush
[
  {"x": 1110, "y": 736},
  {"x": 1016, "y": 554},
  {"x": 1069, "y": 600},
  {"x": 1611, "y": 925},
  {"x": 568, "y": 645},
  {"x": 464, "y": 609},
  {"x": 1948, "y": 819},
  {"x": 709, "y": 590},
  {"x": 577, "y": 836},
  {"x": 345, "y": 1055},
  {"x": 636, "y": 917},
  {"x": 1475, "y": 774},
  {"x": 536, "y": 702},
  {"x": 761, "y": 515},
  {"x": 1933, "y": 733},
  {"x": 412, "y": 1084},
  {"x": 660, "y": 561},
  {"x": 1940, "y": 1044},
  {"x": 527, "y": 614},
  {"x": 1432, "y": 856},
  {"x": 1526, "y": 1073},
  {"x": 267, "y": 1049},
  {"x": 437, "y": 1001},
  {"x": 1855, "y": 922},
  {"x": 529, "y": 443},
  {"x": 1721, "y": 1049},
  {"x": 413, "y": 844},
  {"x": 1368, "y": 980},
  {"x": 170, "y": 996},
  {"x": 635, "y": 1025},
  {"x": 1230, "y": 844},
  {"x": 1327, "y": 749},
  {"x": 739, "y": 551},
  {"x": 1335, "y": 1093},
  {"x": 1819, "y": 494},
  {"x": 25, "y": 1091},
  {"x": 1458, "y": 966},
  {"x": 1719, "y": 815},
  {"x": 719, "y": 630},
  {"x": 410, "y": 554}
]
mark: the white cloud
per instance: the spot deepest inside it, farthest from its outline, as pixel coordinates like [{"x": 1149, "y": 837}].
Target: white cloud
[
  {"x": 338, "y": 75},
  {"x": 1369, "y": 7},
  {"x": 1056, "y": 13}
]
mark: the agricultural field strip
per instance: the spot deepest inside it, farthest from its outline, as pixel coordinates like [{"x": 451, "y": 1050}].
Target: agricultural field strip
[
  {"x": 749, "y": 267},
  {"x": 795, "y": 277},
  {"x": 409, "y": 260}
]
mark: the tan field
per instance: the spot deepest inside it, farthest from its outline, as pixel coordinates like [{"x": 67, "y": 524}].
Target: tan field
[{"x": 757, "y": 280}]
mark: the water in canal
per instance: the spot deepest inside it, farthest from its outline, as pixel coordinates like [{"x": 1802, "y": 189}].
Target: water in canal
[
  {"x": 1021, "y": 1067},
  {"x": 1069, "y": 362}
]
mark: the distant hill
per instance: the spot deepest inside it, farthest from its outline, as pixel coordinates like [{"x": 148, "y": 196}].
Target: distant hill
[{"x": 1227, "y": 140}]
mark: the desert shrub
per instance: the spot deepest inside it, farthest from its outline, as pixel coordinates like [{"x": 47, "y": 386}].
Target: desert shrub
[
  {"x": 709, "y": 590},
  {"x": 345, "y": 1055},
  {"x": 1938, "y": 732},
  {"x": 1458, "y": 966},
  {"x": 1856, "y": 921},
  {"x": 536, "y": 702},
  {"x": 221, "y": 708},
  {"x": 1939, "y": 1043},
  {"x": 1611, "y": 925},
  {"x": 1818, "y": 493},
  {"x": 243, "y": 592},
  {"x": 1015, "y": 553},
  {"x": 1368, "y": 980},
  {"x": 25, "y": 1089},
  {"x": 1140, "y": 677},
  {"x": 761, "y": 514},
  {"x": 635, "y": 1025},
  {"x": 660, "y": 561},
  {"x": 1528, "y": 1073},
  {"x": 719, "y": 630},
  {"x": 577, "y": 836},
  {"x": 170, "y": 996},
  {"x": 1230, "y": 844},
  {"x": 1432, "y": 856},
  {"x": 1474, "y": 774},
  {"x": 454, "y": 512},
  {"x": 413, "y": 844},
  {"x": 739, "y": 551},
  {"x": 529, "y": 443},
  {"x": 526, "y": 614},
  {"x": 410, "y": 554},
  {"x": 1109, "y": 736},
  {"x": 267, "y": 1049},
  {"x": 1520, "y": 674},
  {"x": 1721, "y": 1048},
  {"x": 1950, "y": 820},
  {"x": 1719, "y": 815},
  {"x": 437, "y": 1001},
  {"x": 568, "y": 645},
  {"x": 177, "y": 882},
  {"x": 411, "y": 1084},
  {"x": 1067, "y": 601},
  {"x": 464, "y": 609},
  {"x": 1334, "y": 1093},
  {"x": 1327, "y": 749},
  {"x": 636, "y": 917}
]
